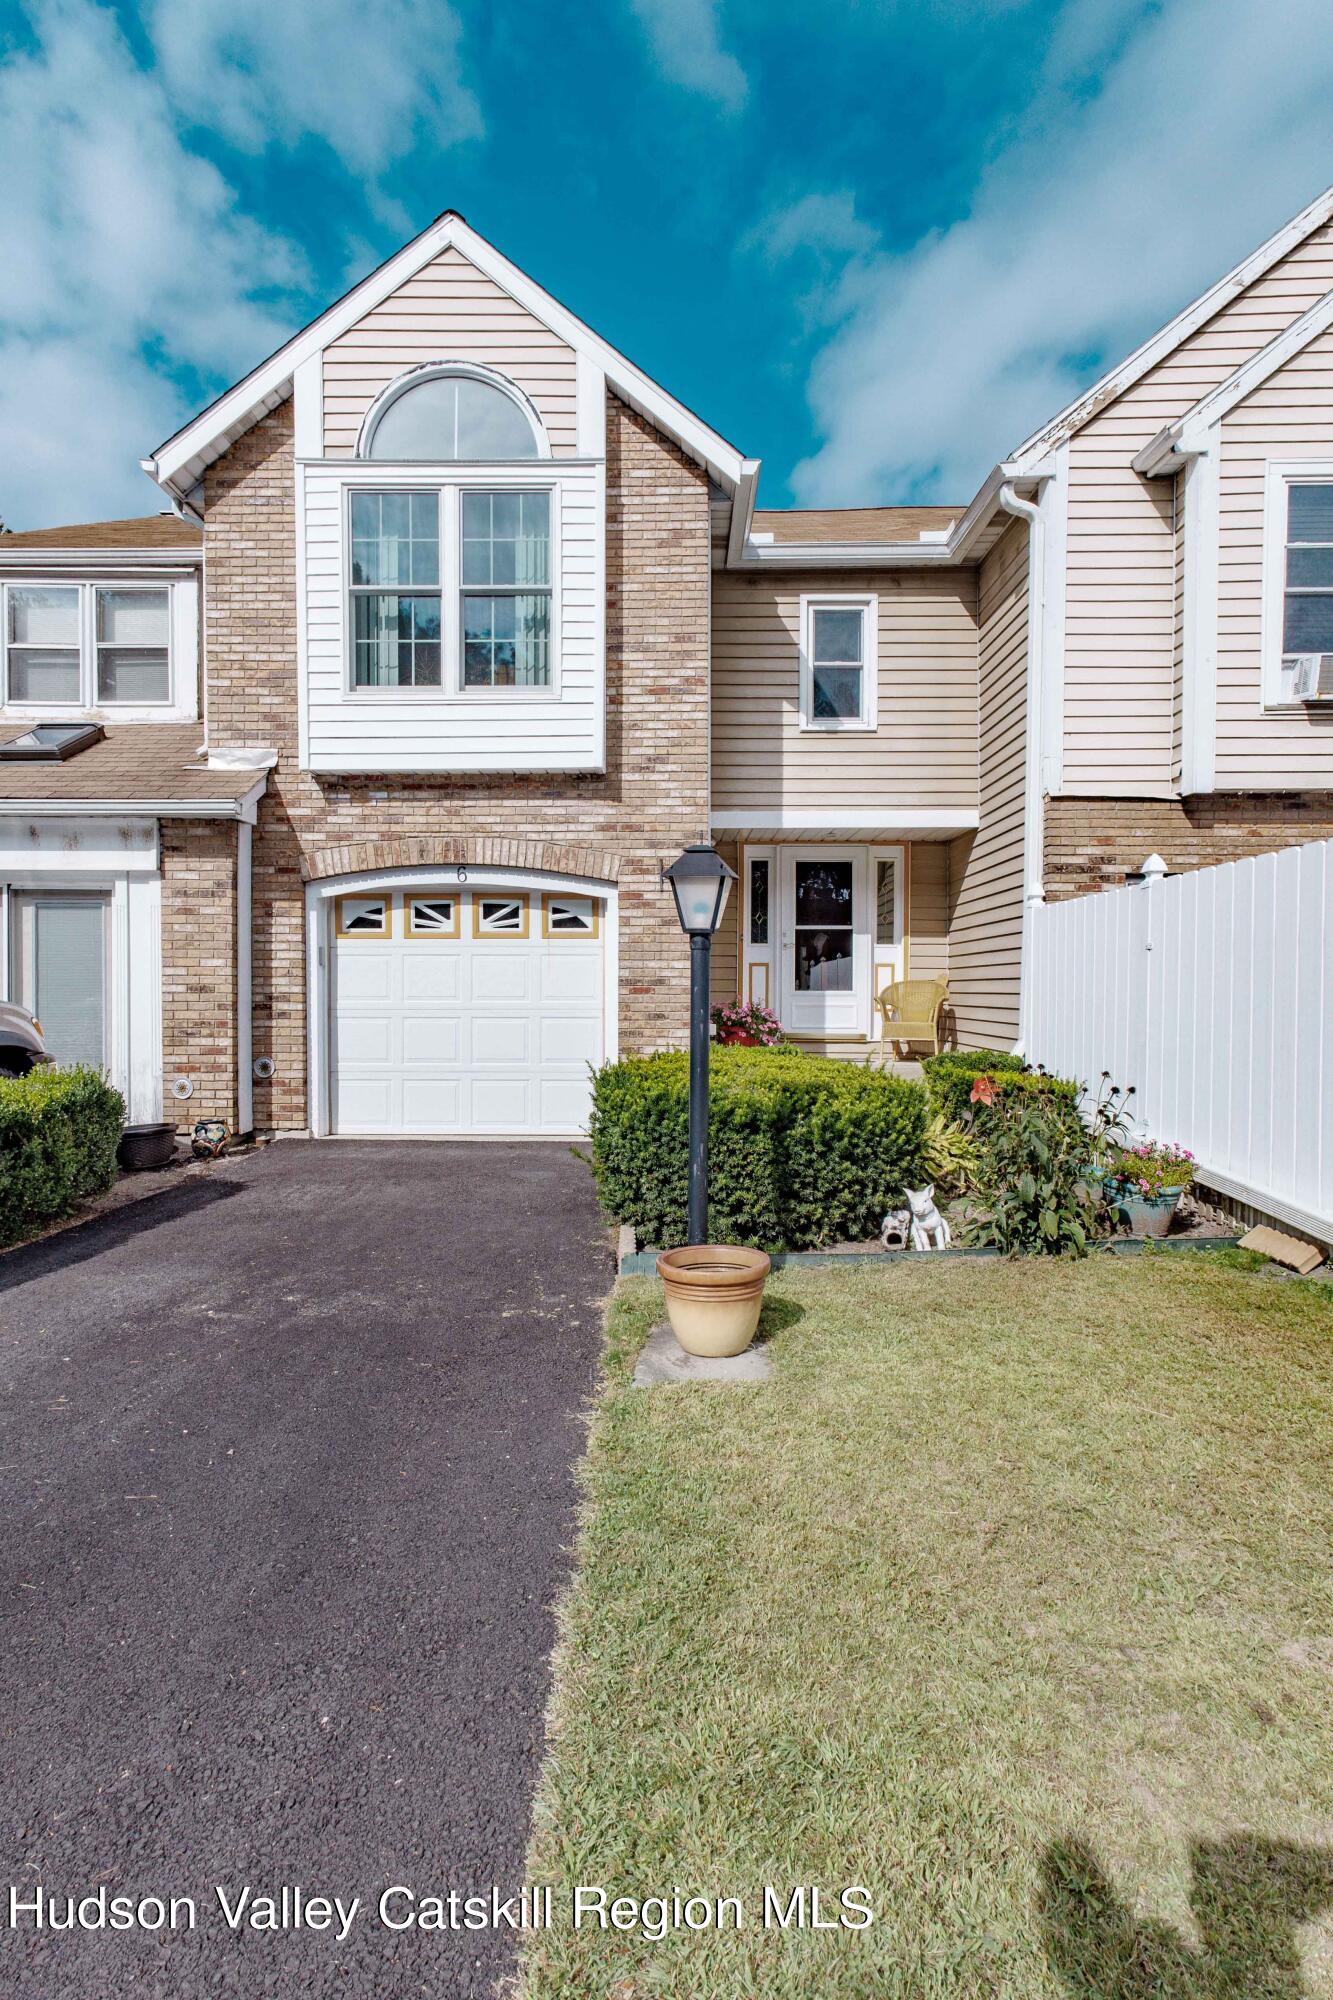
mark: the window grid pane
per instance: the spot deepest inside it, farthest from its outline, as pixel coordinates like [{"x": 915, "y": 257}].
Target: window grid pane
[
  {"x": 44, "y": 615},
  {"x": 507, "y": 640},
  {"x": 396, "y": 539},
  {"x": 43, "y": 674},
  {"x": 1307, "y": 611},
  {"x": 837, "y": 692},
  {"x": 507, "y": 539},
  {"x": 396, "y": 640}
]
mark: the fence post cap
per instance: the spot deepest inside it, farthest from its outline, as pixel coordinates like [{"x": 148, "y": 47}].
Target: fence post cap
[{"x": 1153, "y": 868}]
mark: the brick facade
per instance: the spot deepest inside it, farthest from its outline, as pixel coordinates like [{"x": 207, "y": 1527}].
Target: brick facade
[
  {"x": 1093, "y": 844},
  {"x": 198, "y": 860},
  {"x": 650, "y": 801}
]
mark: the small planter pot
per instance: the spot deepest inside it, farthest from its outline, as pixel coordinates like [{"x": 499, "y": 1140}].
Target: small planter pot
[
  {"x": 1149, "y": 1214},
  {"x": 144, "y": 1146},
  {"x": 713, "y": 1296},
  {"x": 737, "y": 1038}
]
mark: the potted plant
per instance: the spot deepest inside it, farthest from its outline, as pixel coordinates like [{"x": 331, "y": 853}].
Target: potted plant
[
  {"x": 1145, "y": 1182},
  {"x": 746, "y": 1023},
  {"x": 713, "y": 1295}
]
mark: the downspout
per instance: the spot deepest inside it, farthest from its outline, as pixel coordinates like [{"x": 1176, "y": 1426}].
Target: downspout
[
  {"x": 1028, "y": 510},
  {"x": 245, "y": 1092}
]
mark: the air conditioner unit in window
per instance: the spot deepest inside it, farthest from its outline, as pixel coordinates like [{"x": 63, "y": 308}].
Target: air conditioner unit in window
[{"x": 1312, "y": 679}]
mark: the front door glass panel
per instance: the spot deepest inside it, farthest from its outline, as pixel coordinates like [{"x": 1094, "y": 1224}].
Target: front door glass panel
[{"x": 824, "y": 933}]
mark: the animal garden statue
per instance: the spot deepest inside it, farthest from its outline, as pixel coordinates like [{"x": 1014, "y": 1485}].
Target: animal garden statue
[
  {"x": 929, "y": 1229},
  {"x": 897, "y": 1229}
]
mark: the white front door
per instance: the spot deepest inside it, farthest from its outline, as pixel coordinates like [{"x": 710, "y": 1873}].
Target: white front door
[
  {"x": 825, "y": 940},
  {"x": 60, "y": 949}
]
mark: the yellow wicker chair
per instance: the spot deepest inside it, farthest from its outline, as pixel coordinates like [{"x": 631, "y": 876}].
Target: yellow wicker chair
[{"x": 909, "y": 1011}]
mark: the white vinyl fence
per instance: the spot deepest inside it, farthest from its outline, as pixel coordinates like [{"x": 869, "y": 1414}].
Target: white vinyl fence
[{"x": 1211, "y": 993}]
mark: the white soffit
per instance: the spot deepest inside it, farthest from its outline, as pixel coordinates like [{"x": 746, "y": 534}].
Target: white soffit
[{"x": 178, "y": 463}]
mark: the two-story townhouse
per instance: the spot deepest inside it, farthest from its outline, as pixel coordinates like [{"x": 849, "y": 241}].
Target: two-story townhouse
[{"x": 492, "y": 627}]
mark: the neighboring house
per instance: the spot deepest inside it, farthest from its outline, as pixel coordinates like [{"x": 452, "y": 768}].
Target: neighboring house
[{"x": 492, "y": 628}]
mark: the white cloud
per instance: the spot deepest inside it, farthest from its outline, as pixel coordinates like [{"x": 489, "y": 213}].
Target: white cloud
[
  {"x": 113, "y": 239},
  {"x": 133, "y": 279},
  {"x": 369, "y": 81},
  {"x": 1210, "y": 126},
  {"x": 684, "y": 38}
]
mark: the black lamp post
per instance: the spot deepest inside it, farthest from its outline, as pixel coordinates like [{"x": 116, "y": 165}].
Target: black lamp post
[{"x": 700, "y": 882}]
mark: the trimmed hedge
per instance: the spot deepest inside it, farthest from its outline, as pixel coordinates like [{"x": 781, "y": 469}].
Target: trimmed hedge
[
  {"x": 950, "y": 1077},
  {"x": 802, "y": 1150},
  {"x": 59, "y": 1130}
]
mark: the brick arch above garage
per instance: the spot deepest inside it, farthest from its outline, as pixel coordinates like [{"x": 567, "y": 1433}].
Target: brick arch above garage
[{"x": 429, "y": 850}]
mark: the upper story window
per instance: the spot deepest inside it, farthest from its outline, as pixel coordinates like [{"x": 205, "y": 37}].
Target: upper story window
[
  {"x": 451, "y": 589},
  {"x": 74, "y": 645},
  {"x": 838, "y": 647},
  {"x": 444, "y": 414},
  {"x": 1298, "y": 579},
  {"x": 1307, "y": 598}
]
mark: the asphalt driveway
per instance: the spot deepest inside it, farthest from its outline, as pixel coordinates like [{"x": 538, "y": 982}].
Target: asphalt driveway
[{"x": 287, "y": 1492}]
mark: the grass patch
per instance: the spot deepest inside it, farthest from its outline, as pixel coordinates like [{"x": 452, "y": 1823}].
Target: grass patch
[{"x": 1009, "y": 1598}]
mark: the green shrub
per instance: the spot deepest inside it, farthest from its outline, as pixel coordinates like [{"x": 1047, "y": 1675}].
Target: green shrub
[
  {"x": 802, "y": 1150},
  {"x": 949, "y": 1077},
  {"x": 59, "y": 1130}
]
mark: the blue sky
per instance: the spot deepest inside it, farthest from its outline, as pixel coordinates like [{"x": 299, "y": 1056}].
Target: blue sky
[{"x": 874, "y": 242}]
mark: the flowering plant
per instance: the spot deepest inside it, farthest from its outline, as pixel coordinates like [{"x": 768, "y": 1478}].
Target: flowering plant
[
  {"x": 1149, "y": 1170},
  {"x": 746, "y": 1018}
]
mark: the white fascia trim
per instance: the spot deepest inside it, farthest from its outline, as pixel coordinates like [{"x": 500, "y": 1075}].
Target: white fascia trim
[
  {"x": 1198, "y": 667},
  {"x": 169, "y": 563},
  {"x": 245, "y": 808},
  {"x": 1034, "y": 708},
  {"x": 779, "y": 819},
  {"x": 1117, "y": 380},
  {"x": 1175, "y": 443},
  {"x": 177, "y": 462}
]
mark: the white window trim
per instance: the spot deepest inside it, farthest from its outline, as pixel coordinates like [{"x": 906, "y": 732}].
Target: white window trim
[
  {"x": 1275, "y": 695},
  {"x": 867, "y": 602},
  {"x": 449, "y": 484},
  {"x": 182, "y": 703},
  {"x": 475, "y": 371}
]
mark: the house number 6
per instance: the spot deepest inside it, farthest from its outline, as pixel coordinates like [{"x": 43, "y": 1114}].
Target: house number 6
[{"x": 462, "y": 873}]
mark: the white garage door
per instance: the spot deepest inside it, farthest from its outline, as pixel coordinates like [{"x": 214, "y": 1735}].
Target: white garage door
[{"x": 464, "y": 1010}]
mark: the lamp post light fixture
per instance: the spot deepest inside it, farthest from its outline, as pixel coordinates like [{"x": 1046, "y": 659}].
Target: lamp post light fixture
[{"x": 700, "y": 882}]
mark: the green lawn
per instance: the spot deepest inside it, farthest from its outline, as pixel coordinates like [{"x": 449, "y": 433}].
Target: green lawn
[{"x": 1009, "y": 1598}]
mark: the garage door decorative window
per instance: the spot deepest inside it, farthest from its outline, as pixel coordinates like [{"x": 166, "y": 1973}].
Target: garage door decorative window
[
  {"x": 569, "y": 916},
  {"x": 432, "y": 916},
  {"x": 363, "y": 916},
  {"x": 499, "y": 916}
]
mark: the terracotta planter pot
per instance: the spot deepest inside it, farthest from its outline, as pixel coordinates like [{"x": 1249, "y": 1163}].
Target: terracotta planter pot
[
  {"x": 737, "y": 1038},
  {"x": 713, "y": 1296}
]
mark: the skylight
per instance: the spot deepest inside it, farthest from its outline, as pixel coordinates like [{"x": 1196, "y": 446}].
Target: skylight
[{"x": 52, "y": 742}]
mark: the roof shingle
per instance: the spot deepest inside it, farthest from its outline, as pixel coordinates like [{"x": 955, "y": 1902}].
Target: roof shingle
[
  {"x": 141, "y": 762},
  {"x": 148, "y": 531},
  {"x": 853, "y": 525}
]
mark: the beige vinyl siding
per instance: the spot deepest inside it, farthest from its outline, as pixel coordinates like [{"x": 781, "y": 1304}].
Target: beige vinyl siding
[
  {"x": 724, "y": 967},
  {"x": 924, "y": 749},
  {"x": 1288, "y": 417},
  {"x": 1120, "y": 593},
  {"x": 448, "y": 311},
  {"x": 986, "y": 868},
  {"x": 928, "y": 909}
]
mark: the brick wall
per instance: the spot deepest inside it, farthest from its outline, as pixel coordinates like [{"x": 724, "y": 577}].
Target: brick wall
[
  {"x": 1092, "y": 844},
  {"x": 199, "y": 966},
  {"x": 650, "y": 801}
]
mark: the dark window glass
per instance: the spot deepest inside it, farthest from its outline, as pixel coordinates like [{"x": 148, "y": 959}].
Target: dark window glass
[
  {"x": 823, "y": 892},
  {"x": 758, "y": 902}
]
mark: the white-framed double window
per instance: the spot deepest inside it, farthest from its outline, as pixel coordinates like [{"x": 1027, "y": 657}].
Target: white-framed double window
[
  {"x": 1298, "y": 574},
  {"x": 839, "y": 645},
  {"x": 451, "y": 588},
  {"x": 73, "y": 646}
]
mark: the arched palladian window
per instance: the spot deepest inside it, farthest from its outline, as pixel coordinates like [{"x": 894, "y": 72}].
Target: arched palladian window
[{"x": 451, "y": 413}]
